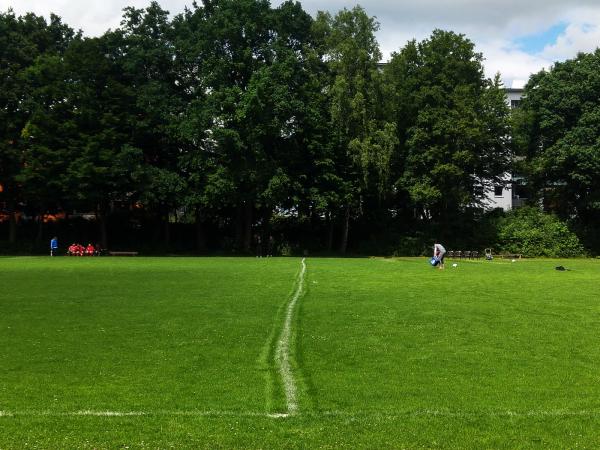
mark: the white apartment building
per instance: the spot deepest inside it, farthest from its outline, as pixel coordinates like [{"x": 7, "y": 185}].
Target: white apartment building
[{"x": 507, "y": 195}]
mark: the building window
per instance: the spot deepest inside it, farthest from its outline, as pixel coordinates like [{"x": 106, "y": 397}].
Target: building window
[
  {"x": 498, "y": 191},
  {"x": 514, "y": 104},
  {"x": 520, "y": 191}
]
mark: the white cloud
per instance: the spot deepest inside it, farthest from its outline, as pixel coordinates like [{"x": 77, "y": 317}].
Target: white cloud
[
  {"x": 94, "y": 17},
  {"x": 580, "y": 37},
  {"x": 492, "y": 24},
  {"x": 511, "y": 62}
]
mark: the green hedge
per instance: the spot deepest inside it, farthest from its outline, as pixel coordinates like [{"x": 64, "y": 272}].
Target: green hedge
[{"x": 531, "y": 232}]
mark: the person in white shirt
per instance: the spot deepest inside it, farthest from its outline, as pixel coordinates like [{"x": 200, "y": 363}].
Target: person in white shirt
[{"x": 439, "y": 252}]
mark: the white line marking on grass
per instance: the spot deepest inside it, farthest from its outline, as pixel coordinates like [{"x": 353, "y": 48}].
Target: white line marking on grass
[
  {"x": 109, "y": 413},
  {"x": 384, "y": 415},
  {"x": 465, "y": 414},
  {"x": 282, "y": 353},
  {"x": 92, "y": 413},
  {"x": 278, "y": 415}
]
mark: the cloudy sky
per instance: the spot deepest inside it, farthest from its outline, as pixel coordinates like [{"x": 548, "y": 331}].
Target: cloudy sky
[{"x": 516, "y": 37}]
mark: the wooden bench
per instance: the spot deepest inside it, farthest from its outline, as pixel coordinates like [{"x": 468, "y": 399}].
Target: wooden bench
[
  {"x": 123, "y": 253},
  {"x": 468, "y": 254}
]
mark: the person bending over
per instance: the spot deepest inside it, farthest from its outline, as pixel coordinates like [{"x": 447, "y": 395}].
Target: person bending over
[{"x": 439, "y": 252}]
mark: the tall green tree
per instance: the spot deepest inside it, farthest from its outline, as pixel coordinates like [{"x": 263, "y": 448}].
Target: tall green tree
[
  {"x": 249, "y": 121},
  {"x": 363, "y": 140},
  {"x": 22, "y": 40},
  {"x": 452, "y": 124},
  {"x": 79, "y": 134},
  {"x": 286, "y": 96},
  {"x": 46, "y": 137},
  {"x": 558, "y": 134},
  {"x": 105, "y": 167},
  {"x": 232, "y": 43},
  {"x": 149, "y": 61}
]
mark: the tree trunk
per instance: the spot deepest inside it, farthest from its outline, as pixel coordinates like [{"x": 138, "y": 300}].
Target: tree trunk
[
  {"x": 330, "y": 232},
  {"x": 267, "y": 222},
  {"x": 40, "y": 229},
  {"x": 200, "y": 236},
  {"x": 345, "y": 230},
  {"x": 248, "y": 226},
  {"x": 12, "y": 224},
  {"x": 239, "y": 227},
  {"x": 101, "y": 216},
  {"x": 156, "y": 227},
  {"x": 167, "y": 230}
]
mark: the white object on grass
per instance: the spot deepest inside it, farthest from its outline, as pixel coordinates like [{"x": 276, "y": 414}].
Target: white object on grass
[
  {"x": 454, "y": 265},
  {"x": 514, "y": 260}
]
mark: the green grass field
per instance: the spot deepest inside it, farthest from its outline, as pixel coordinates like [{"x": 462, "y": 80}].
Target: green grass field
[{"x": 248, "y": 353}]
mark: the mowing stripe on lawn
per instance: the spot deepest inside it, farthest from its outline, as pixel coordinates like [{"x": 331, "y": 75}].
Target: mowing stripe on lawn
[{"x": 282, "y": 353}]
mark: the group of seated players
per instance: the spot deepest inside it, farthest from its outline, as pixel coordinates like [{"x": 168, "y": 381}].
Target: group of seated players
[{"x": 80, "y": 250}]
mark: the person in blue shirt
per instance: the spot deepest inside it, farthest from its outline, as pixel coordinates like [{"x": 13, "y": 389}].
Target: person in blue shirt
[{"x": 53, "y": 246}]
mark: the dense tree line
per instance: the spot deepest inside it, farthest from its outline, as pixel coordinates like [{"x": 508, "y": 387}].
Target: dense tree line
[
  {"x": 239, "y": 120},
  {"x": 557, "y": 134}
]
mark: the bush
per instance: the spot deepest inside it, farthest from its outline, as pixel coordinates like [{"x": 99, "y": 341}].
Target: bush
[
  {"x": 411, "y": 246},
  {"x": 531, "y": 232}
]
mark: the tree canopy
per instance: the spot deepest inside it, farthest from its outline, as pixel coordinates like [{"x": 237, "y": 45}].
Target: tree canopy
[{"x": 237, "y": 122}]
